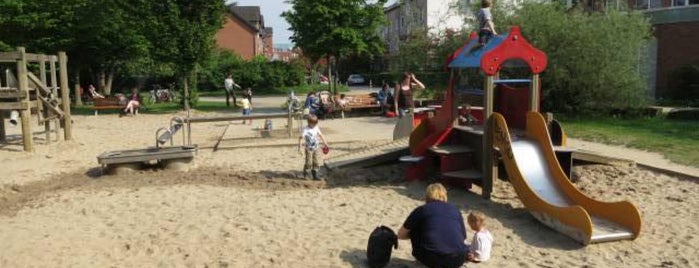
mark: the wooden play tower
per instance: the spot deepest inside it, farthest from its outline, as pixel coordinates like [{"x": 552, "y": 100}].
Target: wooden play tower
[
  {"x": 453, "y": 145},
  {"x": 45, "y": 95}
]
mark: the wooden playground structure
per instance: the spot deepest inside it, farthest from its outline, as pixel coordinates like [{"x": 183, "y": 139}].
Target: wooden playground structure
[
  {"x": 500, "y": 133},
  {"x": 45, "y": 95}
]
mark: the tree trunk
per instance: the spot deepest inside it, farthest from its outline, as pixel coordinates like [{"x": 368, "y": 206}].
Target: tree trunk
[
  {"x": 108, "y": 85},
  {"x": 101, "y": 81},
  {"x": 186, "y": 94},
  {"x": 78, "y": 94},
  {"x": 330, "y": 75}
]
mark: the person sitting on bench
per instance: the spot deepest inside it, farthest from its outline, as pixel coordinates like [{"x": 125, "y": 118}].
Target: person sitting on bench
[
  {"x": 93, "y": 93},
  {"x": 134, "y": 102}
]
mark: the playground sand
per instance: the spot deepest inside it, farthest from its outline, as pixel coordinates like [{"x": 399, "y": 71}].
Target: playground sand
[{"x": 250, "y": 208}]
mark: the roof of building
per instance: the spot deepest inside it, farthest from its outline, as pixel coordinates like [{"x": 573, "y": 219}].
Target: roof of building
[
  {"x": 249, "y": 13},
  {"x": 269, "y": 30}
]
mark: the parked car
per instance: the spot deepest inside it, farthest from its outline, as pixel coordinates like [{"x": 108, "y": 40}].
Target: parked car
[{"x": 355, "y": 79}]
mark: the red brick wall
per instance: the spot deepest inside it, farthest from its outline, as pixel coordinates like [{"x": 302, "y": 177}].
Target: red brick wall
[
  {"x": 678, "y": 44},
  {"x": 237, "y": 38},
  {"x": 269, "y": 46}
]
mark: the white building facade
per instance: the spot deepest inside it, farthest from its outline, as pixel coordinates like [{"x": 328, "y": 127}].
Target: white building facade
[{"x": 406, "y": 17}]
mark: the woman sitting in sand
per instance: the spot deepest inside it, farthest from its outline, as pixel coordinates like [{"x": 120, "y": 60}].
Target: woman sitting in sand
[{"x": 436, "y": 230}]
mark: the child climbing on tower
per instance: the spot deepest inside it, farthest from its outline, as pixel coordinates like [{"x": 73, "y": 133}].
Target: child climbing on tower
[
  {"x": 486, "y": 27},
  {"x": 310, "y": 139},
  {"x": 479, "y": 250}
]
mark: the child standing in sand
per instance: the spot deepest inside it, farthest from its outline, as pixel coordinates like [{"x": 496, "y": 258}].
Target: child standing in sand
[
  {"x": 310, "y": 139},
  {"x": 247, "y": 107},
  {"x": 479, "y": 250}
]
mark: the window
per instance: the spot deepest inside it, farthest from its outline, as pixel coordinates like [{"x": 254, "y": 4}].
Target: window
[
  {"x": 679, "y": 3},
  {"x": 656, "y": 3},
  {"x": 641, "y": 4}
]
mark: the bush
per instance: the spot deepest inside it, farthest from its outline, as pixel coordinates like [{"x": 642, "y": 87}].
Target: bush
[
  {"x": 593, "y": 57},
  {"x": 259, "y": 74}
]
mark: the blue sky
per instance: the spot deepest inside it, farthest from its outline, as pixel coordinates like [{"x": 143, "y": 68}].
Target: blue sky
[{"x": 272, "y": 10}]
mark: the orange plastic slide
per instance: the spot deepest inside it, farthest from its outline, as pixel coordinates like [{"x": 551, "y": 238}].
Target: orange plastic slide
[{"x": 548, "y": 194}]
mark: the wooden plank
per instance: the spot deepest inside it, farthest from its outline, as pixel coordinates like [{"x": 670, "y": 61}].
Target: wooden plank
[
  {"x": 10, "y": 56},
  {"x": 50, "y": 106},
  {"x": 16, "y": 105},
  {"x": 230, "y": 118},
  {"x": 594, "y": 157},
  {"x": 37, "y": 81},
  {"x": 31, "y": 57},
  {"x": 451, "y": 149},
  {"x": 16, "y": 94},
  {"x": 65, "y": 99}
]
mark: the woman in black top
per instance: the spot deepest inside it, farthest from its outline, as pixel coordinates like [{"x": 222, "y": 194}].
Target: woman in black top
[
  {"x": 403, "y": 95},
  {"x": 436, "y": 231}
]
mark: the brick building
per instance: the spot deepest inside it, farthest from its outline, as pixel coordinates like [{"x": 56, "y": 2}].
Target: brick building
[
  {"x": 244, "y": 33},
  {"x": 676, "y": 31}
]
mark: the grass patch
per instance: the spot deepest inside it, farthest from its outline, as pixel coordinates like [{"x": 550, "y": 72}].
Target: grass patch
[
  {"x": 677, "y": 140},
  {"x": 158, "y": 108}
]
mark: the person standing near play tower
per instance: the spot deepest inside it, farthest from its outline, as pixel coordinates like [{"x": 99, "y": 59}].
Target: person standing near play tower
[
  {"x": 228, "y": 83},
  {"x": 403, "y": 94},
  {"x": 486, "y": 27}
]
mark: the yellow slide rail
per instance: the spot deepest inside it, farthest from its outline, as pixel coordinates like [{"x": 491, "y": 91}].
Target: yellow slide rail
[{"x": 549, "y": 195}]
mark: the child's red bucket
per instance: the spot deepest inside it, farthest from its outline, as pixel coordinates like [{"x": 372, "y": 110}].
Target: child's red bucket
[{"x": 326, "y": 149}]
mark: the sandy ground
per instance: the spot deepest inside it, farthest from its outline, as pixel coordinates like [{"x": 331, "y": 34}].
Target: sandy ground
[{"x": 247, "y": 207}]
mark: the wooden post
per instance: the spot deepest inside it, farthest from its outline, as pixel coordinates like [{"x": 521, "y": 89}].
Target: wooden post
[
  {"x": 489, "y": 173},
  {"x": 186, "y": 95},
  {"x": 25, "y": 114},
  {"x": 534, "y": 94},
  {"x": 46, "y": 114},
  {"x": 65, "y": 99},
  {"x": 2, "y": 127},
  {"x": 54, "y": 91}
]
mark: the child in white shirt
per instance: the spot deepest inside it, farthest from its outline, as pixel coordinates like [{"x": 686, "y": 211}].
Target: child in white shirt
[
  {"x": 479, "y": 250},
  {"x": 310, "y": 139}
]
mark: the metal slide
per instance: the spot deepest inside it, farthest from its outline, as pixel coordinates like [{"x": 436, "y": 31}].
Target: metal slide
[{"x": 548, "y": 194}]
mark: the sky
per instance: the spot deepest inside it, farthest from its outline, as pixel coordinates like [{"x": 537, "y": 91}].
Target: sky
[{"x": 272, "y": 11}]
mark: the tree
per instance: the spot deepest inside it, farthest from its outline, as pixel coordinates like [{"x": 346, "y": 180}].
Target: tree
[
  {"x": 336, "y": 28},
  {"x": 105, "y": 36},
  {"x": 183, "y": 31},
  {"x": 594, "y": 58}
]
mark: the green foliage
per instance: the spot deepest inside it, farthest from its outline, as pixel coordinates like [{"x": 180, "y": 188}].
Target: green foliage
[
  {"x": 593, "y": 57},
  {"x": 169, "y": 37},
  {"x": 336, "y": 27},
  {"x": 258, "y": 73}
]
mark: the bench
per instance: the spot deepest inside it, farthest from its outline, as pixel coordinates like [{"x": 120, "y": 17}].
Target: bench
[
  {"x": 359, "y": 102},
  {"x": 108, "y": 103}
]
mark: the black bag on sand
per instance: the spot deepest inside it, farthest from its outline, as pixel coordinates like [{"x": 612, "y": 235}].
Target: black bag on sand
[{"x": 381, "y": 243}]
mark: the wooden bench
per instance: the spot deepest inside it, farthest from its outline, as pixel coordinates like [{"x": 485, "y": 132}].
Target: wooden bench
[
  {"x": 359, "y": 102},
  {"x": 108, "y": 103}
]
